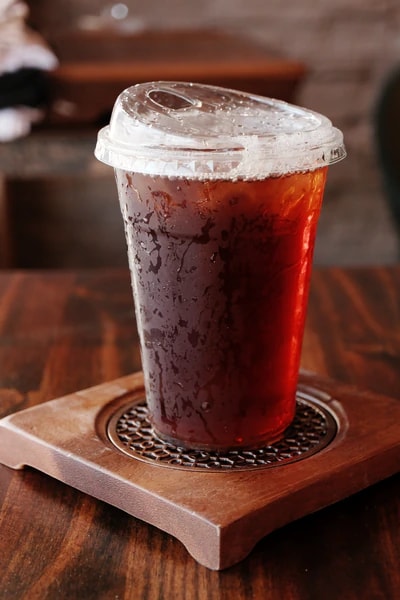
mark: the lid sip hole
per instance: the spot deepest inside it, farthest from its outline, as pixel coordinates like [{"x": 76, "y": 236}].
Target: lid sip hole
[{"x": 171, "y": 100}]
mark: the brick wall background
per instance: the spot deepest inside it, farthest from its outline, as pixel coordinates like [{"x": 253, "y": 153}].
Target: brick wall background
[{"x": 349, "y": 47}]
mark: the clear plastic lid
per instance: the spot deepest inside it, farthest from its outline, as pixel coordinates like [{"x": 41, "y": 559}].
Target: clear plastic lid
[{"x": 192, "y": 130}]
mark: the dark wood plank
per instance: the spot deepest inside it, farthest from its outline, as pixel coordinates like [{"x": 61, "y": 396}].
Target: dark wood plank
[
  {"x": 62, "y": 332},
  {"x": 354, "y": 323}
]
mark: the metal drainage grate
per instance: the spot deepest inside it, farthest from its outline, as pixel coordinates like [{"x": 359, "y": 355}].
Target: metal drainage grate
[{"x": 313, "y": 428}]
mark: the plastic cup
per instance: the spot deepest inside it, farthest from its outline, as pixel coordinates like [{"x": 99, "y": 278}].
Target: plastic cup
[{"x": 220, "y": 192}]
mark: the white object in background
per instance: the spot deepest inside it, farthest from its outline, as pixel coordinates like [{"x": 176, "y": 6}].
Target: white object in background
[
  {"x": 15, "y": 122},
  {"x": 20, "y": 47}
]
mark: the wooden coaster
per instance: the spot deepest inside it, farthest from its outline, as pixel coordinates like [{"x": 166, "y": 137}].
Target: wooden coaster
[{"x": 218, "y": 513}]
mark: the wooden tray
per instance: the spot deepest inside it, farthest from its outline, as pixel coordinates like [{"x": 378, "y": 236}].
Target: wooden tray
[{"x": 218, "y": 516}]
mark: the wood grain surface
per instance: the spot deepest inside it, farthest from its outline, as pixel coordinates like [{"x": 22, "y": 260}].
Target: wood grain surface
[{"x": 60, "y": 332}]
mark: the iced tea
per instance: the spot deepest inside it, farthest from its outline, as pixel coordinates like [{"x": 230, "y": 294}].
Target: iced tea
[
  {"x": 220, "y": 192},
  {"x": 220, "y": 273}
]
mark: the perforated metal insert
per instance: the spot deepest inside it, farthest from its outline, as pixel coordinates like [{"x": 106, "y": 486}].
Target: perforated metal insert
[{"x": 313, "y": 428}]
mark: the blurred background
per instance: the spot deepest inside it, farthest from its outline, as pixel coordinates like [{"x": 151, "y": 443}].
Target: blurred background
[{"x": 58, "y": 205}]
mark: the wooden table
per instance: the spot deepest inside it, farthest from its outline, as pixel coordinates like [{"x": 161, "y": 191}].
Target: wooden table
[{"x": 60, "y": 332}]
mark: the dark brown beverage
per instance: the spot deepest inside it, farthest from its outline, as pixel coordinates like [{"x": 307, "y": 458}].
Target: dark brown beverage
[
  {"x": 220, "y": 193},
  {"x": 220, "y": 273}
]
